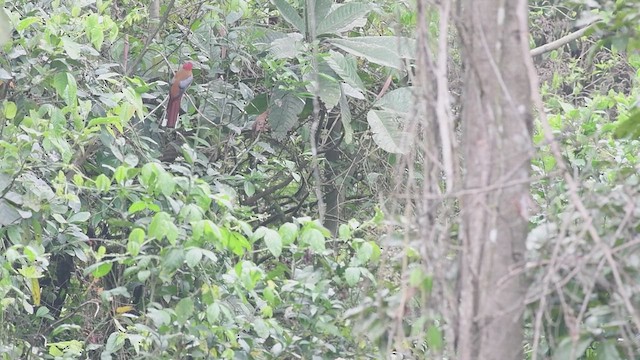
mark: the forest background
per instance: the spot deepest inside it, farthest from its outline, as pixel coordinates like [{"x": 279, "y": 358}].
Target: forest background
[{"x": 349, "y": 180}]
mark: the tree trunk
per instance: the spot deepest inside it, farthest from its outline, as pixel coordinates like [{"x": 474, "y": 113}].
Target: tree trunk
[{"x": 496, "y": 121}]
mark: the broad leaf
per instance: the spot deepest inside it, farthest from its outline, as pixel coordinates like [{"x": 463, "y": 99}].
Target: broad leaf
[
  {"x": 322, "y": 9},
  {"x": 8, "y": 214},
  {"x": 290, "y": 14},
  {"x": 566, "y": 348},
  {"x": 288, "y": 47},
  {"x": 382, "y": 50},
  {"x": 387, "y": 132},
  {"x": 284, "y": 113},
  {"x": 352, "y": 275},
  {"x": 273, "y": 241},
  {"x": 184, "y": 310},
  {"x": 328, "y": 88},
  {"x": 343, "y": 18},
  {"x": 400, "y": 100},
  {"x": 346, "y": 68},
  {"x": 5, "y": 28}
]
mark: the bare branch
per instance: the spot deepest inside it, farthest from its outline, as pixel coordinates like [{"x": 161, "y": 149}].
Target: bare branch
[{"x": 564, "y": 40}]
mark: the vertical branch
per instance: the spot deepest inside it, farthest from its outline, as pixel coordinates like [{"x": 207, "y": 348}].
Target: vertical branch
[
  {"x": 311, "y": 26},
  {"x": 150, "y": 38},
  {"x": 443, "y": 110},
  {"x": 497, "y": 151}
]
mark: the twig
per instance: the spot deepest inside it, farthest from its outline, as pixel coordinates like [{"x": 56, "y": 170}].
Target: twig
[
  {"x": 564, "y": 40},
  {"x": 150, "y": 38}
]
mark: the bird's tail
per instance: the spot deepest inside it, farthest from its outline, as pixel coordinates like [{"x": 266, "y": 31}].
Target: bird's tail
[{"x": 173, "y": 108}]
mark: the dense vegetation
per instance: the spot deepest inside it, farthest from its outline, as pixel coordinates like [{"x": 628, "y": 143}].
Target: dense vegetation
[{"x": 273, "y": 222}]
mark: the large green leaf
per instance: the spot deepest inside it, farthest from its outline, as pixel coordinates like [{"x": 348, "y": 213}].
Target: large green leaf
[
  {"x": 343, "y": 18},
  {"x": 290, "y": 14},
  {"x": 629, "y": 127},
  {"x": 322, "y": 9},
  {"x": 328, "y": 88},
  {"x": 382, "y": 50},
  {"x": 287, "y": 47},
  {"x": 346, "y": 68},
  {"x": 399, "y": 100},
  {"x": 8, "y": 214},
  {"x": 566, "y": 348},
  {"x": 5, "y": 27},
  {"x": 387, "y": 131},
  {"x": 284, "y": 113}
]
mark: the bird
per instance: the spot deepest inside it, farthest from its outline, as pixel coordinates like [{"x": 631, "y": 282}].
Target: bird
[{"x": 181, "y": 80}]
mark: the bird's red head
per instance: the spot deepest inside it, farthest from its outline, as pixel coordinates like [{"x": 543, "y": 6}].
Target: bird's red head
[{"x": 187, "y": 66}]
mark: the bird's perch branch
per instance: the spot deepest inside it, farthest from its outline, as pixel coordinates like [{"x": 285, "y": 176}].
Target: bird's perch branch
[{"x": 563, "y": 40}]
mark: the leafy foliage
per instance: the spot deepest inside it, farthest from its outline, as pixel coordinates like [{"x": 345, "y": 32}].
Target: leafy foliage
[{"x": 123, "y": 240}]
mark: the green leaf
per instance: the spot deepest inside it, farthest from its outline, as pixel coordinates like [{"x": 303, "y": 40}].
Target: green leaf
[
  {"x": 71, "y": 47},
  {"x": 328, "y": 88},
  {"x": 382, "y": 50},
  {"x": 184, "y": 310},
  {"x": 565, "y": 348},
  {"x": 166, "y": 183},
  {"x": 173, "y": 260},
  {"x": 314, "y": 238},
  {"x": 103, "y": 183},
  {"x": 273, "y": 241},
  {"x": 288, "y": 233},
  {"x": 607, "y": 350},
  {"x": 42, "y": 312},
  {"x": 10, "y": 110},
  {"x": 352, "y": 275},
  {"x": 137, "y": 206},
  {"x": 191, "y": 213},
  {"x": 143, "y": 275},
  {"x": 249, "y": 188},
  {"x": 159, "y": 317},
  {"x": 364, "y": 253},
  {"x": 288, "y": 47},
  {"x": 322, "y": 9},
  {"x": 5, "y": 27},
  {"x": 346, "y": 67},
  {"x": 102, "y": 269},
  {"x": 260, "y": 327},
  {"x": 136, "y": 239},
  {"x": 26, "y": 22},
  {"x": 387, "y": 132},
  {"x": 237, "y": 243},
  {"x": 4, "y": 74},
  {"x": 60, "y": 83},
  {"x": 290, "y": 15},
  {"x": 94, "y": 30},
  {"x": 344, "y": 18},
  {"x": 80, "y": 217},
  {"x": 629, "y": 127},
  {"x": 160, "y": 225},
  {"x": 284, "y": 113},
  {"x": 399, "y": 100},
  {"x": 193, "y": 257},
  {"x": 133, "y": 98},
  {"x": 434, "y": 338},
  {"x": 106, "y": 120},
  {"x": 213, "y": 313}
]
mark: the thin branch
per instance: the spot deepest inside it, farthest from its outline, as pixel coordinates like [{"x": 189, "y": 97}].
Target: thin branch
[
  {"x": 150, "y": 38},
  {"x": 564, "y": 40}
]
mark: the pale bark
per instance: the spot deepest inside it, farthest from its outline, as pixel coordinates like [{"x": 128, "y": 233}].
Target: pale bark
[{"x": 496, "y": 122}]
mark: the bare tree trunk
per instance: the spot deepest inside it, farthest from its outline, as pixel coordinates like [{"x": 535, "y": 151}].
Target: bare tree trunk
[{"x": 496, "y": 120}]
